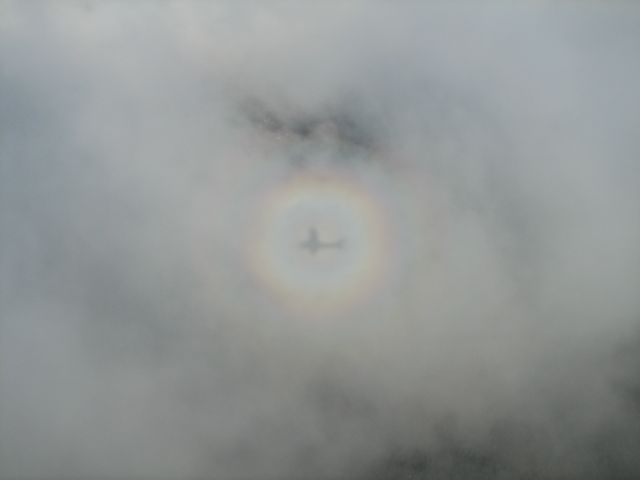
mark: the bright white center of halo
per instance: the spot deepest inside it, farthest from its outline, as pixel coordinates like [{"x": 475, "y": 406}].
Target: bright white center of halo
[{"x": 330, "y": 276}]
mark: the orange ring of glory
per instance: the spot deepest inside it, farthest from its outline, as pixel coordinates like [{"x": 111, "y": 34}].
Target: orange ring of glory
[{"x": 339, "y": 209}]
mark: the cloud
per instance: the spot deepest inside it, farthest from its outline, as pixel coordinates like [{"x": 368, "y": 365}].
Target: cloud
[{"x": 139, "y": 144}]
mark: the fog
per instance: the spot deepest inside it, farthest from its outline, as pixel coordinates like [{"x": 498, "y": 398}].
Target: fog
[{"x": 158, "y": 320}]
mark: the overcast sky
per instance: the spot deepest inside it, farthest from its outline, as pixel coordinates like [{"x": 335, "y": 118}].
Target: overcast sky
[{"x": 158, "y": 160}]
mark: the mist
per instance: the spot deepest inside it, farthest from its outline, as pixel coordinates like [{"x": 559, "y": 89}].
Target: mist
[{"x": 496, "y": 149}]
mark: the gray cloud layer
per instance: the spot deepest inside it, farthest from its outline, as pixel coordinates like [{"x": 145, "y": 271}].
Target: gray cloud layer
[{"x": 134, "y": 340}]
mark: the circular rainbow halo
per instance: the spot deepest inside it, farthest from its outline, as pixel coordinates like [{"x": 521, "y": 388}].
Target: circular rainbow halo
[{"x": 319, "y": 242}]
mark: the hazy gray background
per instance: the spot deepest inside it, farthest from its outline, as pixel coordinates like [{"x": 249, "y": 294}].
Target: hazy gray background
[{"x": 134, "y": 342}]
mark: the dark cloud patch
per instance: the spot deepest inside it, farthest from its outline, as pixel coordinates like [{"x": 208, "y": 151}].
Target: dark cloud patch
[{"x": 343, "y": 133}]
